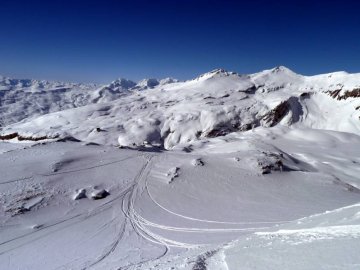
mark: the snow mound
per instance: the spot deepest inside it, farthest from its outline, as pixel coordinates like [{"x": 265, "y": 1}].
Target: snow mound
[
  {"x": 99, "y": 194},
  {"x": 80, "y": 194},
  {"x": 197, "y": 162}
]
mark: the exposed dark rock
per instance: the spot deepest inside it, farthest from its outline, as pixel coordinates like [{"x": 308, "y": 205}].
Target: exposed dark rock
[
  {"x": 32, "y": 138},
  {"x": 9, "y": 136},
  {"x": 200, "y": 263},
  {"x": 173, "y": 173},
  {"x": 197, "y": 162},
  {"x": 270, "y": 162},
  {"x": 250, "y": 90},
  {"x": 26, "y": 138},
  {"x": 274, "y": 116},
  {"x": 347, "y": 94},
  {"x": 220, "y": 131},
  {"x": 231, "y": 127},
  {"x": 334, "y": 93},
  {"x": 305, "y": 95},
  {"x": 188, "y": 149},
  {"x": 246, "y": 127}
]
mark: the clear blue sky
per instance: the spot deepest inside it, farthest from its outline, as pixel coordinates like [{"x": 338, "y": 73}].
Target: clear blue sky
[{"x": 98, "y": 41}]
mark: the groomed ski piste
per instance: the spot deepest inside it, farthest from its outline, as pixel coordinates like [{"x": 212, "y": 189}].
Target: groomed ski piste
[{"x": 225, "y": 171}]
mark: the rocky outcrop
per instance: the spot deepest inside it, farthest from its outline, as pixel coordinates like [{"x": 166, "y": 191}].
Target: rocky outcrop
[
  {"x": 26, "y": 138},
  {"x": 274, "y": 116},
  {"x": 337, "y": 94}
]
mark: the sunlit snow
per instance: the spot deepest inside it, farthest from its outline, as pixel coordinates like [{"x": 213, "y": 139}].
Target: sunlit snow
[{"x": 225, "y": 171}]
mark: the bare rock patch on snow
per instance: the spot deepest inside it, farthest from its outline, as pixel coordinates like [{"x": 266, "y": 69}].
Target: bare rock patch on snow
[
  {"x": 20, "y": 137},
  {"x": 197, "y": 162},
  {"x": 172, "y": 174}
]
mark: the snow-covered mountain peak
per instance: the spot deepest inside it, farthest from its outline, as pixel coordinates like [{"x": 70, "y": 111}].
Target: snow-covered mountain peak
[
  {"x": 215, "y": 73},
  {"x": 150, "y": 83},
  {"x": 147, "y": 83},
  {"x": 121, "y": 84},
  {"x": 276, "y": 78},
  {"x": 168, "y": 80},
  {"x": 282, "y": 69},
  {"x": 277, "y": 72}
]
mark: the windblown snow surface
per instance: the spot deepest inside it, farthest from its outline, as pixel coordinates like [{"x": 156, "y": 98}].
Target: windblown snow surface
[{"x": 225, "y": 171}]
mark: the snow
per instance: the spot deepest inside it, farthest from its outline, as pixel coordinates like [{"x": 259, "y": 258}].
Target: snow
[
  {"x": 214, "y": 104},
  {"x": 80, "y": 194},
  {"x": 99, "y": 194},
  {"x": 225, "y": 171}
]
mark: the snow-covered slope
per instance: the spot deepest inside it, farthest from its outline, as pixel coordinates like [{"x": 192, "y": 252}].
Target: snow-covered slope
[
  {"x": 262, "y": 173},
  {"x": 213, "y": 104},
  {"x": 231, "y": 200}
]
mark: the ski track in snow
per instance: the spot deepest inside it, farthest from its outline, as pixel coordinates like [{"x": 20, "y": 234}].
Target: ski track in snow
[
  {"x": 72, "y": 220},
  {"x": 208, "y": 221},
  {"x": 32, "y": 236},
  {"x": 137, "y": 221},
  {"x": 127, "y": 218}
]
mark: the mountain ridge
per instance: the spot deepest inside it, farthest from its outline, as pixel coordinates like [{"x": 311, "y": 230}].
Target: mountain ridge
[{"x": 180, "y": 113}]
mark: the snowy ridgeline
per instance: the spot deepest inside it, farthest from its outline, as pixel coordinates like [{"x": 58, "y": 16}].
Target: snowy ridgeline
[{"x": 171, "y": 113}]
